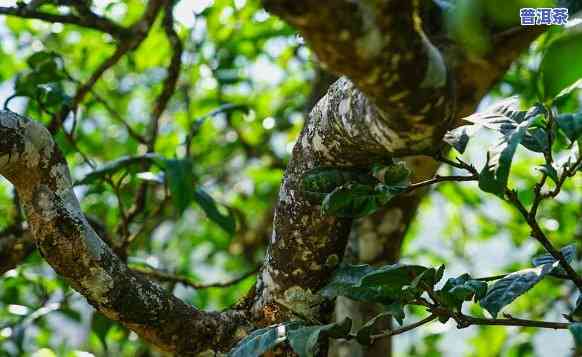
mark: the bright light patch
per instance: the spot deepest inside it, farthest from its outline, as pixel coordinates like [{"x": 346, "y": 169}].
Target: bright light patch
[{"x": 18, "y": 310}]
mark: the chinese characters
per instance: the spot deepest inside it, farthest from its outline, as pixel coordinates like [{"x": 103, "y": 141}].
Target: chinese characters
[{"x": 543, "y": 16}]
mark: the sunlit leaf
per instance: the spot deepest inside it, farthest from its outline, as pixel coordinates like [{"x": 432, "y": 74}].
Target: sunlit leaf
[
  {"x": 560, "y": 67},
  {"x": 509, "y": 288}
]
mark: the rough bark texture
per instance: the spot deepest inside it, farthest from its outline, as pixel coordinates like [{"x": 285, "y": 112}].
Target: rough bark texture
[
  {"x": 386, "y": 108},
  {"x": 359, "y": 122},
  {"x": 30, "y": 160}
]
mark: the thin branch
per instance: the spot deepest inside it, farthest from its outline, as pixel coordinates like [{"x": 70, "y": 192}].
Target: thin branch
[
  {"x": 389, "y": 333},
  {"x": 540, "y": 236},
  {"x": 139, "y": 32},
  {"x": 163, "y": 276},
  {"x": 173, "y": 74},
  {"x": 439, "y": 178},
  {"x": 88, "y": 20},
  {"x": 465, "y": 321}
]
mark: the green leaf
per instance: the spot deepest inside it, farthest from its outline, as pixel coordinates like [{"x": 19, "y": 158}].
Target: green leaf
[
  {"x": 346, "y": 282},
  {"x": 436, "y": 71},
  {"x": 100, "y": 326},
  {"x": 571, "y": 125},
  {"x": 459, "y": 137},
  {"x": 396, "y": 176},
  {"x": 180, "y": 177},
  {"x": 356, "y": 200},
  {"x": 317, "y": 183},
  {"x": 386, "y": 285},
  {"x": 569, "y": 252},
  {"x": 560, "y": 69},
  {"x": 512, "y": 127},
  {"x": 393, "y": 276},
  {"x": 460, "y": 289},
  {"x": 44, "y": 70},
  {"x": 41, "y": 59},
  {"x": 52, "y": 95},
  {"x": 262, "y": 340},
  {"x": 576, "y": 331},
  {"x": 304, "y": 340},
  {"x": 116, "y": 166},
  {"x": 536, "y": 140},
  {"x": 505, "y": 290},
  {"x": 225, "y": 221},
  {"x": 500, "y": 117}
]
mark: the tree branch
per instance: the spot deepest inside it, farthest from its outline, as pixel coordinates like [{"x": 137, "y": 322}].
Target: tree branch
[
  {"x": 30, "y": 160},
  {"x": 88, "y": 20}
]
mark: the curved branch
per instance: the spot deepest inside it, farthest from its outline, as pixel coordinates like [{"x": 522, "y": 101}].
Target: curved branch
[
  {"x": 88, "y": 20},
  {"x": 30, "y": 160}
]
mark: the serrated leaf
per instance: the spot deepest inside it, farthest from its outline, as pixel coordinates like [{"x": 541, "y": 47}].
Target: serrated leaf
[
  {"x": 262, "y": 340},
  {"x": 180, "y": 180},
  {"x": 559, "y": 68},
  {"x": 116, "y": 166},
  {"x": 511, "y": 127},
  {"x": 304, "y": 340},
  {"x": 506, "y": 290},
  {"x": 225, "y": 221}
]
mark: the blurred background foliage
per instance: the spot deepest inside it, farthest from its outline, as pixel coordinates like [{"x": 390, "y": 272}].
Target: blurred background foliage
[{"x": 244, "y": 88}]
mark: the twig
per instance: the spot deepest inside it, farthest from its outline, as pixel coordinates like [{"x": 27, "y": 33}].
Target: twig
[
  {"x": 88, "y": 20},
  {"x": 139, "y": 31},
  {"x": 439, "y": 178},
  {"x": 173, "y": 74},
  {"x": 469, "y": 320},
  {"x": 404, "y": 329},
  {"x": 163, "y": 276},
  {"x": 540, "y": 236}
]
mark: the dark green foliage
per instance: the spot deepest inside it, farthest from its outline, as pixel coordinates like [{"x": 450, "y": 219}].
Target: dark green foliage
[
  {"x": 460, "y": 289},
  {"x": 509, "y": 288},
  {"x": 262, "y": 340},
  {"x": 317, "y": 183},
  {"x": 345, "y": 192},
  {"x": 226, "y": 221},
  {"x": 304, "y": 340}
]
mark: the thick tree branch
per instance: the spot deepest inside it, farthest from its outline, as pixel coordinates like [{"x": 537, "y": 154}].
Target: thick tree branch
[
  {"x": 30, "y": 160},
  {"x": 348, "y": 129}
]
